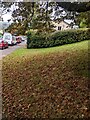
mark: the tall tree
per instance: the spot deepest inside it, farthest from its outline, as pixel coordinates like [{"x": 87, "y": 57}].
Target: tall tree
[
  {"x": 75, "y": 6},
  {"x": 79, "y": 11},
  {"x": 37, "y": 14},
  {"x": 42, "y": 17}
]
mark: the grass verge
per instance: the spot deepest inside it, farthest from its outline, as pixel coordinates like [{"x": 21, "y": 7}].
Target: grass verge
[{"x": 46, "y": 83}]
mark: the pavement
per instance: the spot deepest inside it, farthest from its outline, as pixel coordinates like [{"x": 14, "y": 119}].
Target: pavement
[{"x": 10, "y": 49}]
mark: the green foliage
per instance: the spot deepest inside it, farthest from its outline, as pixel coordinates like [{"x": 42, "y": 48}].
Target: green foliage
[
  {"x": 83, "y": 19},
  {"x": 17, "y": 28},
  {"x": 28, "y": 39},
  {"x": 31, "y": 31},
  {"x": 75, "y": 6},
  {"x": 58, "y": 38},
  {"x": 83, "y": 23}
]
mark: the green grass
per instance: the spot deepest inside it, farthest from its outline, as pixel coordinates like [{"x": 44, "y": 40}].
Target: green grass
[
  {"x": 69, "y": 47},
  {"x": 46, "y": 83}
]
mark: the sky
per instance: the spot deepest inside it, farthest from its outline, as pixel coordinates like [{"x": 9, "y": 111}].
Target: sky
[
  {"x": 6, "y": 17},
  {"x": 9, "y": 14}
]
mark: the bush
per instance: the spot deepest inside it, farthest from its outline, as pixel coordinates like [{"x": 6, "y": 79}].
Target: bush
[
  {"x": 28, "y": 39},
  {"x": 58, "y": 38}
]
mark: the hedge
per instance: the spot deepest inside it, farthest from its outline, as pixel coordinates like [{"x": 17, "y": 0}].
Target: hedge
[{"x": 58, "y": 38}]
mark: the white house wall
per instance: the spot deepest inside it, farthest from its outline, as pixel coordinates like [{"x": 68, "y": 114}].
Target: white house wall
[{"x": 64, "y": 26}]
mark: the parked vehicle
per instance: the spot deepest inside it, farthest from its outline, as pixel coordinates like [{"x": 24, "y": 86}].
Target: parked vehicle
[
  {"x": 3, "y": 44},
  {"x": 24, "y": 38},
  {"x": 18, "y": 39},
  {"x": 9, "y": 38},
  {"x": 14, "y": 40}
]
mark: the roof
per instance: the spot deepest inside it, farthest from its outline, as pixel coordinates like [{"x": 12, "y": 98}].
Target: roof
[{"x": 68, "y": 21}]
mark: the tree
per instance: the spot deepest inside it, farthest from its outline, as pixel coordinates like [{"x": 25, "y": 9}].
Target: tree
[
  {"x": 37, "y": 14},
  {"x": 4, "y": 7},
  {"x": 24, "y": 13},
  {"x": 80, "y": 11},
  {"x": 42, "y": 17},
  {"x": 84, "y": 19},
  {"x": 75, "y": 6}
]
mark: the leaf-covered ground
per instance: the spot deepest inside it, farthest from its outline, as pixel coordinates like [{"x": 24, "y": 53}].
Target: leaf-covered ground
[{"x": 46, "y": 83}]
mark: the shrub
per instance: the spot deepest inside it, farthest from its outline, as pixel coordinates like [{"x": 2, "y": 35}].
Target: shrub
[
  {"x": 28, "y": 39},
  {"x": 58, "y": 38}
]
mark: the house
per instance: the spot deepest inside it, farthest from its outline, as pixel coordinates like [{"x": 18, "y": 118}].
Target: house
[{"x": 63, "y": 24}]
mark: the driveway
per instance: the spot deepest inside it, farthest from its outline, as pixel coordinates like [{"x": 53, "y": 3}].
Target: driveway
[{"x": 9, "y": 50}]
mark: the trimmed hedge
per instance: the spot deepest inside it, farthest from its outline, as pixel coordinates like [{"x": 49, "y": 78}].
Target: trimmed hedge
[{"x": 58, "y": 38}]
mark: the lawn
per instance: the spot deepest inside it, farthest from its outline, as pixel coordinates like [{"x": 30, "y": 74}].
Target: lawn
[{"x": 46, "y": 83}]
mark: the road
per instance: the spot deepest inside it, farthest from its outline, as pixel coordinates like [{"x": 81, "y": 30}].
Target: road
[{"x": 10, "y": 49}]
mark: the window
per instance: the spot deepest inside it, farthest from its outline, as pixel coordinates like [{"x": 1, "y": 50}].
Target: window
[
  {"x": 59, "y": 27},
  {"x": 7, "y": 37}
]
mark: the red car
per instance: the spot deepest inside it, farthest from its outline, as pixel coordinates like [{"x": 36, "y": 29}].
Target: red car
[{"x": 3, "y": 44}]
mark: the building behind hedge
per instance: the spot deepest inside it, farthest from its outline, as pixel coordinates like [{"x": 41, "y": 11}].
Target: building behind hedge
[{"x": 64, "y": 24}]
